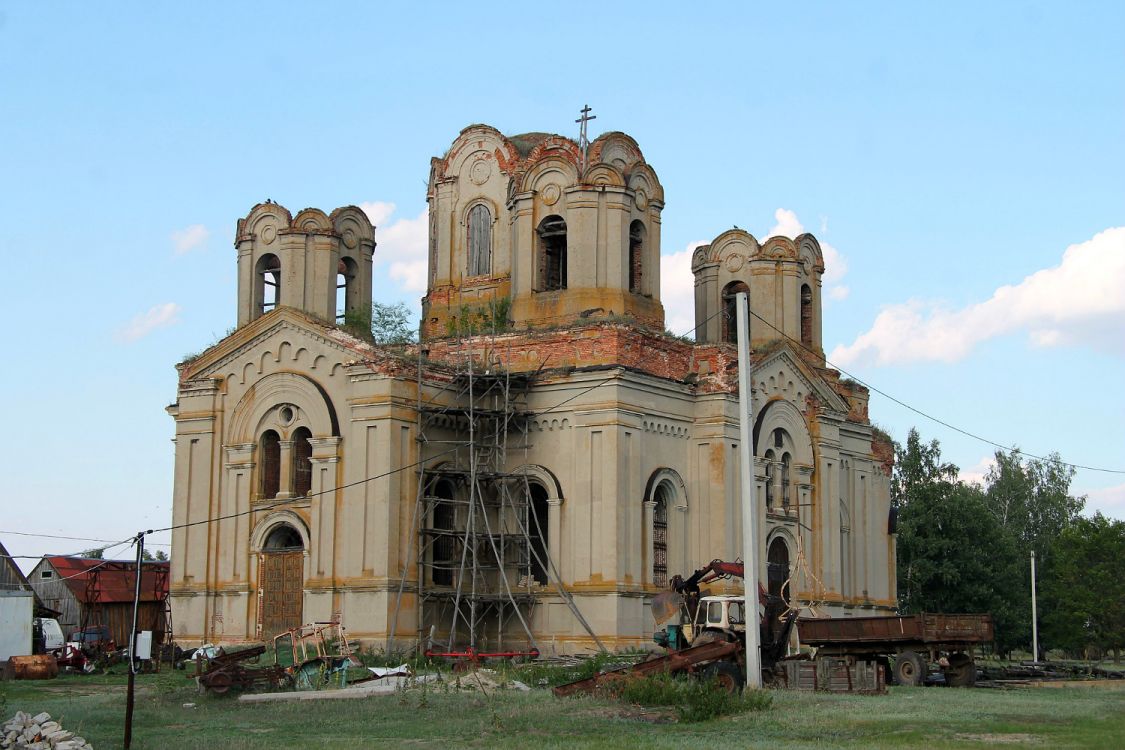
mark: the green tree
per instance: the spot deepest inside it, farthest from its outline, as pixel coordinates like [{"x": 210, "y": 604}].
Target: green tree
[
  {"x": 953, "y": 554},
  {"x": 1083, "y": 602},
  {"x": 381, "y": 323},
  {"x": 1031, "y": 500},
  {"x": 159, "y": 556},
  {"x": 94, "y": 554}
]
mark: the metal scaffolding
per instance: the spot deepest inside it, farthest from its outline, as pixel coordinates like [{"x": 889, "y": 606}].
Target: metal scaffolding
[{"x": 479, "y": 537}]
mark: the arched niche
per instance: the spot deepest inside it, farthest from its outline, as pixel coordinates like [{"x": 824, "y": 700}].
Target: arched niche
[
  {"x": 276, "y": 521},
  {"x": 277, "y": 388},
  {"x": 782, "y": 414}
]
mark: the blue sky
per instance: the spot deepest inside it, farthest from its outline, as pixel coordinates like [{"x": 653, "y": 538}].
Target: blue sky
[{"x": 943, "y": 151}]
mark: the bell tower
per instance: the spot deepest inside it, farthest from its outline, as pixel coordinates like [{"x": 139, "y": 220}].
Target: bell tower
[
  {"x": 314, "y": 262},
  {"x": 545, "y": 229}
]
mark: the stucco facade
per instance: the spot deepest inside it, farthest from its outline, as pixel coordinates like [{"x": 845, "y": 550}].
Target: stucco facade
[{"x": 299, "y": 446}]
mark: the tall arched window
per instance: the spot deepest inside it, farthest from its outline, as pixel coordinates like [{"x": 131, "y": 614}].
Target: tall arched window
[
  {"x": 770, "y": 475},
  {"x": 785, "y": 480},
  {"x": 806, "y": 315},
  {"x": 480, "y": 241},
  {"x": 660, "y": 537},
  {"x": 537, "y": 532},
  {"x": 443, "y": 555},
  {"x": 777, "y": 587},
  {"x": 270, "y": 475},
  {"x": 267, "y": 291},
  {"x": 636, "y": 255},
  {"x": 552, "y": 254},
  {"x": 345, "y": 278},
  {"x": 302, "y": 462},
  {"x": 730, "y": 310}
]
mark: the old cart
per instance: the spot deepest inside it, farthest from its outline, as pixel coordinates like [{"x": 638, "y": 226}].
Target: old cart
[
  {"x": 915, "y": 641},
  {"x": 239, "y": 670}
]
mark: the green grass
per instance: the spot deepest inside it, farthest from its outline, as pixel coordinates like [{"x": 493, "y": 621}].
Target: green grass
[{"x": 443, "y": 716}]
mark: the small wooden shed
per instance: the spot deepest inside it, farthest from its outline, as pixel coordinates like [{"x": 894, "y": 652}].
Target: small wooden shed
[{"x": 86, "y": 592}]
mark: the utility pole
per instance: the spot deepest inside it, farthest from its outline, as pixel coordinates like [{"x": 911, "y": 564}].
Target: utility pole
[
  {"x": 133, "y": 644},
  {"x": 749, "y": 509},
  {"x": 1034, "y": 615}
]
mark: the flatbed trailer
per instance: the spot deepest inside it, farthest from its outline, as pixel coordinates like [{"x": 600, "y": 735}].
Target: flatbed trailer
[{"x": 915, "y": 641}]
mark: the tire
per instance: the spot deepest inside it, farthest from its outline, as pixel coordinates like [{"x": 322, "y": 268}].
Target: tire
[
  {"x": 727, "y": 676},
  {"x": 961, "y": 672},
  {"x": 910, "y": 669}
]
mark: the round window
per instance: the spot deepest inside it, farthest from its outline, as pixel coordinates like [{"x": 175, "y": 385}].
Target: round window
[{"x": 286, "y": 414}]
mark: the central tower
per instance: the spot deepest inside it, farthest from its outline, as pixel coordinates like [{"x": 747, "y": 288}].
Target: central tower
[{"x": 528, "y": 231}]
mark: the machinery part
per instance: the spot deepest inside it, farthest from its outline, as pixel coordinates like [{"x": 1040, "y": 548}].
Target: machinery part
[
  {"x": 910, "y": 669},
  {"x": 218, "y": 682},
  {"x": 961, "y": 672},
  {"x": 666, "y": 606},
  {"x": 727, "y": 676}
]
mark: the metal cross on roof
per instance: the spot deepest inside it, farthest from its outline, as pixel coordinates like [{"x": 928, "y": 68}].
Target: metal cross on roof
[{"x": 583, "y": 143}]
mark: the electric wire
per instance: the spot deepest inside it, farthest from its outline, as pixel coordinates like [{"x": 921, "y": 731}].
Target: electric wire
[{"x": 928, "y": 416}]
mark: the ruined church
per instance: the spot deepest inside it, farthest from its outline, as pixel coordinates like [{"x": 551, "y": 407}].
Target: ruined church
[{"x": 536, "y": 467}]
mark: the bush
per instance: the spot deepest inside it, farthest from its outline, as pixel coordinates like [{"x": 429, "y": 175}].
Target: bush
[{"x": 694, "y": 700}]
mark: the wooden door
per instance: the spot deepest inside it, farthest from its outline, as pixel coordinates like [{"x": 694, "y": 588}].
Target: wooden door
[{"x": 282, "y": 591}]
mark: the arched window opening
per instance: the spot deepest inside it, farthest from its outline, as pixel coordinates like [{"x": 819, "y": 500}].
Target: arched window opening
[
  {"x": 785, "y": 481},
  {"x": 636, "y": 255},
  {"x": 777, "y": 586},
  {"x": 730, "y": 310},
  {"x": 268, "y": 291},
  {"x": 770, "y": 476},
  {"x": 443, "y": 556},
  {"x": 537, "y": 532},
  {"x": 806, "y": 315},
  {"x": 345, "y": 291},
  {"x": 283, "y": 538},
  {"x": 271, "y": 464},
  {"x": 480, "y": 241},
  {"x": 302, "y": 462},
  {"x": 660, "y": 537},
  {"x": 552, "y": 254}
]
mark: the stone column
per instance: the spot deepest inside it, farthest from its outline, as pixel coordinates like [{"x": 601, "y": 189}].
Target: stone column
[
  {"x": 554, "y": 534},
  {"x": 285, "y": 481}
]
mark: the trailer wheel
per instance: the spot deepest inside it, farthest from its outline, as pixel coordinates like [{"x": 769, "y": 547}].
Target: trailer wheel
[
  {"x": 961, "y": 672},
  {"x": 219, "y": 682},
  {"x": 910, "y": 669},
  {"x": 727, "y": 676}
]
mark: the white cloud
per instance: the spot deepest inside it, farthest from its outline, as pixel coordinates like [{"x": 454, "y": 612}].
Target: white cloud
[
  {"x": 976, "y": 474},
  {"x": 377, "y": 211},
  {"x": 1077, "y": 301},
  {"x": 145, "y": 323},
  {"x": 677, "y": 290},
  {"x": 189, "y": 238},
  {"x": 835, "y": 266},
  {"x": 401, "y": 244},
  {"x": 1109, "y": 500}
]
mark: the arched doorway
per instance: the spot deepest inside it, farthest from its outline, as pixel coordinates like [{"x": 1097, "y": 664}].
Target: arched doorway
[
  {"x": 777, "y": 588},
  {"x": 283, "y": 582}
]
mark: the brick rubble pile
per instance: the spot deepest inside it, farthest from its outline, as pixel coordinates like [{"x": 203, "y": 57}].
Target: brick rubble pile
[{"x": 38, "y": 733}]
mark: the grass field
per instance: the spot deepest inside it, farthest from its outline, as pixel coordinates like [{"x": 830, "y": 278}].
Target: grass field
[{"x": 442, "y": 715}]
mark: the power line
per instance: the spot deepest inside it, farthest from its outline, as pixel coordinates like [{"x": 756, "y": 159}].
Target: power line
[
  {"x": 71, "y": 538},
  {"x": 931, "y": 417}
]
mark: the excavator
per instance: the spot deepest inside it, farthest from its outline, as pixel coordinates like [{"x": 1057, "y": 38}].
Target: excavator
[{"x": 705, "y": 634}]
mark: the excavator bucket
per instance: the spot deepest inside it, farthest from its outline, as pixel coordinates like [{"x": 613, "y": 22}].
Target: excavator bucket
[{"x": 666, "y": 606}]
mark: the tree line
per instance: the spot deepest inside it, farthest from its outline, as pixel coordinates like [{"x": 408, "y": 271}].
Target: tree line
[{"x": 965, "y": 547}]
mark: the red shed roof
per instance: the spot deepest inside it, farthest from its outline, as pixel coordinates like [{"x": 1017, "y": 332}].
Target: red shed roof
[{"x": 110, "y": 581}]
